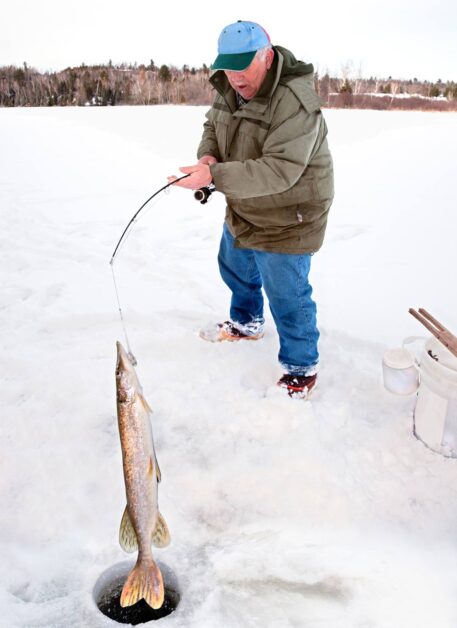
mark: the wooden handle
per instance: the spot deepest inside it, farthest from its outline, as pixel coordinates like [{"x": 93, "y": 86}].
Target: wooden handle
[
  {"x": 444, "y": 336},
  {"x": 424, "y": 322},
  {"x": 433, "y": 320}
]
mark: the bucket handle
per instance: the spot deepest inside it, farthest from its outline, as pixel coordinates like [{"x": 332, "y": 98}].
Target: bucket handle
[{"x": 410, "y": 340}]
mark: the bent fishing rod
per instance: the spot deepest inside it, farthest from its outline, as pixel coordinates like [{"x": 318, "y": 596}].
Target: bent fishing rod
[{"x": 201, "y": 195}]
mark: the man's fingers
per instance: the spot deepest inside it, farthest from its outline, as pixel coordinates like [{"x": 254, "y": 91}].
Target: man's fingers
[
  {"x": 190, "y": 169},
  {"x": 180, "y": 182},
  {"x": 200, "y": 176}
]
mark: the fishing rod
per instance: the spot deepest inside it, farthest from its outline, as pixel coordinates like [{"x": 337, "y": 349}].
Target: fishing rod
[
  {"x": 122, "y": 239},
  {"x": 135, "y": 216}
]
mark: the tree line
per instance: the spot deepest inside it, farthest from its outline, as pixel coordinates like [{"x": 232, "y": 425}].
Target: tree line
[
  {"x": 375, "y": 93},
  {"x": 104, "y": 85},
  {"x": 133, "y": 84}
]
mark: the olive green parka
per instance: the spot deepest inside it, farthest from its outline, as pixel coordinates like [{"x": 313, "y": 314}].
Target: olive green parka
[{"x": 274, "y": 165}]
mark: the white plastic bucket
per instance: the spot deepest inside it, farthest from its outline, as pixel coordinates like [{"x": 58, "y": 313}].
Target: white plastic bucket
[
  {"x": 400, "y": 373},
  {"x": 435, "y": 415}
]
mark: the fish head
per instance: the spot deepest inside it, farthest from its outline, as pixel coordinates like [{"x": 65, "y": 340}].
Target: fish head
[{"x": 127, "y": 384}]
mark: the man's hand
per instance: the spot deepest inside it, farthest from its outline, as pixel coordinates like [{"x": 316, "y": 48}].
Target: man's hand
[{"x": 200, "y": 175}]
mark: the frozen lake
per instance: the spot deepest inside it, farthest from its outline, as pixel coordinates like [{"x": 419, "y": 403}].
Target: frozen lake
[{"x": 325, "y": 514}]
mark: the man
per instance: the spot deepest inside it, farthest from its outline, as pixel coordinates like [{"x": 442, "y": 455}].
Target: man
[{"x": 264, "y": 147}]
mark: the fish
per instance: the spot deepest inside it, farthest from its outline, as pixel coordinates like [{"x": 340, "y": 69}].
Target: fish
[{"x": 142, "y": 523}]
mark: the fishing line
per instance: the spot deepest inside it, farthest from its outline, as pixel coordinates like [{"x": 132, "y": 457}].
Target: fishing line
[{"x": 122, "y": 240}]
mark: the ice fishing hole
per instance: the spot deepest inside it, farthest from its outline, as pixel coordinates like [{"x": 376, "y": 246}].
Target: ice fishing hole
[{"x": 108, "y": 588}]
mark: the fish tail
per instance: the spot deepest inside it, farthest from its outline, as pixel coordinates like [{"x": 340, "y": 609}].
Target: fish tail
[{"x": 144, "y": 582}]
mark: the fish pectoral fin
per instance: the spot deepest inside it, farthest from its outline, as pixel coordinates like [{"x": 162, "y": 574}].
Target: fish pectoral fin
[
  {"x": 127, "y": 535},
  {"x": 144, "y": 582},
  {"x": 160, "y": 535}
]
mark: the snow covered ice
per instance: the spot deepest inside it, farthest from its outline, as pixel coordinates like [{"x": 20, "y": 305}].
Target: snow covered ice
[{"x": 327, "y": 513}]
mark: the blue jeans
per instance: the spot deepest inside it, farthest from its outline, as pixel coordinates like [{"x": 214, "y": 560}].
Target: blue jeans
[{"x": 284, "y": 278}]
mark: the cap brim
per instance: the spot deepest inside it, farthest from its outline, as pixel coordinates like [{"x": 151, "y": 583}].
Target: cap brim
[{"x": 235, "y": 63}]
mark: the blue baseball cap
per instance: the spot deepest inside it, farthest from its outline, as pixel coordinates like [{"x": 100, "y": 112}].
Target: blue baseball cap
[{"x": 238, "y": 44}]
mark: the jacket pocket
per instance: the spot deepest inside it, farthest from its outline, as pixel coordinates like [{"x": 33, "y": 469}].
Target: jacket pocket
[{"x": 325, "y": 187}]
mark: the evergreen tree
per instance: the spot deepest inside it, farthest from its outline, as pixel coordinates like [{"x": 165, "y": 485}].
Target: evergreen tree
[{"x": 164, "y": 73}]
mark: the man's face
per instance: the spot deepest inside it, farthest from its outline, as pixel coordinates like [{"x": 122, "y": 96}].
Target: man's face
[{"x": 248, "y": 81}]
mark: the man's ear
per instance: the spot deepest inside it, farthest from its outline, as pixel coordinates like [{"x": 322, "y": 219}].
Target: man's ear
[{"x": 270, "y": 57}]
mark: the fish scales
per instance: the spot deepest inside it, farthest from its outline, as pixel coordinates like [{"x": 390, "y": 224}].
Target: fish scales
[{"x": 142, "y": 523}]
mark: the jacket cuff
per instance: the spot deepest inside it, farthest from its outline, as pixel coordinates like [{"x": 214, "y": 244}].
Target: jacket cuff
[{"x": 217, "y": 171}]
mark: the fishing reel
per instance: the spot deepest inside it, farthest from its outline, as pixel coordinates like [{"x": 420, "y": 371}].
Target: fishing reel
[{"x": 203, "y": 194}]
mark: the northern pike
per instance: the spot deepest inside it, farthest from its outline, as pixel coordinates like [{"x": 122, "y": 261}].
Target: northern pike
[{"x": 142, "y": 523}]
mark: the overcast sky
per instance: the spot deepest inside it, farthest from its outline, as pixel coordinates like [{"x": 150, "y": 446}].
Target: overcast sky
[{"x": 398, "y": 38}]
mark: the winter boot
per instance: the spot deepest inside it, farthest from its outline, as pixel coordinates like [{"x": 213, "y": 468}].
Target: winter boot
[
  {"x": 298, "y": 386},
  {"x": 227, "y": 331}
]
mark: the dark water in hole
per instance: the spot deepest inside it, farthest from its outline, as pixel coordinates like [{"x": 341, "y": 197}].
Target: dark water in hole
[{"x": 107, "y": 593}]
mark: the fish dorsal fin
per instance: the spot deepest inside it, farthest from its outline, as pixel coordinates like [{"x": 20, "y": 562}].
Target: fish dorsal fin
[
  {"x": 160, "y": 536},
  {"x": 127, "y": 536}
]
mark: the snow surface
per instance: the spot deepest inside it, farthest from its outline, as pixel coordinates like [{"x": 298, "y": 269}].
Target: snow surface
[{"x": 320, "y": 514}]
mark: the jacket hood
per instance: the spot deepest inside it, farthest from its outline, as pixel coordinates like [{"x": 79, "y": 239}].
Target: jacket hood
[{"x": 292, "y": 68}]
